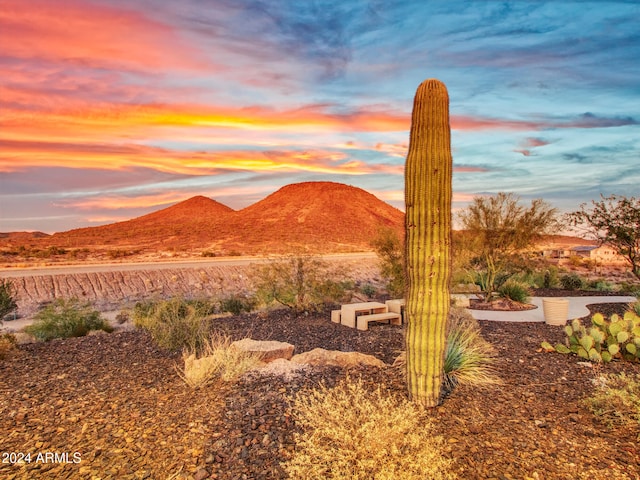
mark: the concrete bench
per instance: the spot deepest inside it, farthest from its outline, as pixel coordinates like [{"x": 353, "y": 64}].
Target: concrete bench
[
  {"x": 335, "y": 316},
  {"x": 363, "y": 320}
]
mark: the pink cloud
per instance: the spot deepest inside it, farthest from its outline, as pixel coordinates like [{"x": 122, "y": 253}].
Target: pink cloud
[{"x": 90, "y": 34}]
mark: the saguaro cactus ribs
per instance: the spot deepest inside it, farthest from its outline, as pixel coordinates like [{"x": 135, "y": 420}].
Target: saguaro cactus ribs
[{"x": 428, "y": 240}]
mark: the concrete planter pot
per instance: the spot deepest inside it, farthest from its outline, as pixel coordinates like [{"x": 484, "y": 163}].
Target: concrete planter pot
[{"x": 556, "y": 310}]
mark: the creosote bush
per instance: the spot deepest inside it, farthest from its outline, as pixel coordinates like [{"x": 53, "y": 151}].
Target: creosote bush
[
  {"x": 66, "y": 318},
  {"x": 237, "y": 304},
  {"x": 217, "y": 360},
  {"x": 572, "y": 281},
  {"x": 350, "y": 432},
  {"x": 7, "y": 300},
  {"x": 302, "y": 283},
  {"x": 174, "y": 324},
  {"x": 617, "y": 400},
  {"x": 390, "y": 251}
]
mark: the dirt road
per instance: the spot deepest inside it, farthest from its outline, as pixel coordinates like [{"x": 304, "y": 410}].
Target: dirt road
[{"x": 11, "y": 272}]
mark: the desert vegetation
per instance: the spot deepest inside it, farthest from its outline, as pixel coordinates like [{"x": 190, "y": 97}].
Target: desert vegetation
[
  {"x": 7, "y": 299},
  {"x": 66, "y": 318},
  {"x": 302, "y": 283},
  {"x": 352, "y": 432},
  {"x": 298, "y": 427},
  {"x": 613, "y": 220}
]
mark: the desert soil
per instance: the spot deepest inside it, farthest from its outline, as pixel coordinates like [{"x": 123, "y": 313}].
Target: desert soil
[{"x": 117, "y": 400}]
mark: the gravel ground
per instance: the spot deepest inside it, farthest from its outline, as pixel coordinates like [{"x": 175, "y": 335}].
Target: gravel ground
[{"x": 118, "y": 402}]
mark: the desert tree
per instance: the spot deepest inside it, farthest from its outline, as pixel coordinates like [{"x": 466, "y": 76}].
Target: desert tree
[
  {"x": 390, "y": 250},
  {"x": 615, "y": 221},
  {"x": 500, "y": 228},
  {"x": 301, "y": 282}
]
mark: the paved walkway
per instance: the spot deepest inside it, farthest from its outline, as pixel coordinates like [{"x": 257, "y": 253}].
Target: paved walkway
[{"x": 577, "y": 309}]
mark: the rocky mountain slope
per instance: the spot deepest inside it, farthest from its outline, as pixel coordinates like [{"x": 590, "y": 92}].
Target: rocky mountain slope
[{"x": 322, "y": 217}]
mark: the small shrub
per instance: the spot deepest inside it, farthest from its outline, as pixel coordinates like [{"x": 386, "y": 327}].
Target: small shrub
[
  {"x": 635, "y": 308},
  {"x": 575, "y": 261},
  {"x": 350, "y": 433},
  {"x": 122, "y": 317},
  {"x": 368, "y": 290},
  {"x": 66, "y": 318},
  {"x": 515, "y": 291},
  {"x": 237, "y": 304},
  {"x": 301, "y": 283},
  {"x": 218, "y": 360},
  {"x": 617, "y": 400},
  {"x": 7, "y": 300},
  {"x": 390, "y": 250},
  {"x": 572, "y": 281},
  {"x": 550, "y": 278},
  {"x": 174, "y": 324},
  {"x": 601, "y": 285},
  {"x": 468, "y": 357},
  {"x": 7, "y": 344}
]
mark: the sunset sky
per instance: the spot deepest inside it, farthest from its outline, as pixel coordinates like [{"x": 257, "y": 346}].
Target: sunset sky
[{"x": 111, "y": 109}]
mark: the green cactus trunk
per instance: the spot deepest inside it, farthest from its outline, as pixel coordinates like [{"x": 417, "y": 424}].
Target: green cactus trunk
[{"x": 428, "y": 241}]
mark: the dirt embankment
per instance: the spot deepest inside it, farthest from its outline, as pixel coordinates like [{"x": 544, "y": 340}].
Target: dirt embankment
[{"x": 111, "y": 288}]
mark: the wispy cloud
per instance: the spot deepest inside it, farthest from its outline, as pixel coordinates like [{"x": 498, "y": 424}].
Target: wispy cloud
[{"x": 143, "y": 101}]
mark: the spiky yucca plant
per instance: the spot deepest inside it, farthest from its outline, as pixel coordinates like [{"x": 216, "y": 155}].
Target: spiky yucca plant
[{"x": 428, "y": 241}]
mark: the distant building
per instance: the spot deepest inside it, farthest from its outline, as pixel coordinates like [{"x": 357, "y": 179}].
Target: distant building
[{"x": 600, "y": 254}]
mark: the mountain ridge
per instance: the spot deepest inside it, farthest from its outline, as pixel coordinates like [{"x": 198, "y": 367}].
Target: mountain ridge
[{"x": 324, "y": 217}]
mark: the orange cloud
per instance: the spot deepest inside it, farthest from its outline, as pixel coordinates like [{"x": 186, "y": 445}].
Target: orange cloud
[
  {"x": 116, "y": 202},
  {"x": 19, "y": 155},
  {"x": 461, "y": 122},
  {"x": 90, "y": 34}
]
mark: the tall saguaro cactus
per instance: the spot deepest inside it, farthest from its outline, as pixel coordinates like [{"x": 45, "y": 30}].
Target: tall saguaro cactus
[{"x": 428, "y": 241}]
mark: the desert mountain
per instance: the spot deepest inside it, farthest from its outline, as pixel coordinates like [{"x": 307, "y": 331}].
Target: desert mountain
[
  {"x": 318, "y": 216},
  {"x": 189, "y": 220},
  {"x": 321, "y": 216}
]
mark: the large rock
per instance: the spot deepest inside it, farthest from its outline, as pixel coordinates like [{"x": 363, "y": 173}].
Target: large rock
[
  {"x": 283, "y": 368},
  {"x": 321, "y": 357},
  {"x": 269, "y": 350}
]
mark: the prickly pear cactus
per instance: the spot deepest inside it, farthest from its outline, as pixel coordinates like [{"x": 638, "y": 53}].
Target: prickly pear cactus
[
  {"x": 604, "y": 340},
  {"x": 428, "y": 241}
]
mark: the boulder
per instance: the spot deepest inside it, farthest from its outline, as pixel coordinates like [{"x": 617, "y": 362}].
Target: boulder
[
  {"x": 283, "y": 368},
  {"x": 269, "y": 350},
  {"x": 321, "y": 357}
]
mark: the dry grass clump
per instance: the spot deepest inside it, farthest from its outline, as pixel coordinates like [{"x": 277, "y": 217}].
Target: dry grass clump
[
  {"x": 7, "y": 344},
  {"x": 617, "y": 400},
  {"x": 352, "y": 433},
  {"x": 174, "y": 324},
  {"x": 217, "y": 360}
]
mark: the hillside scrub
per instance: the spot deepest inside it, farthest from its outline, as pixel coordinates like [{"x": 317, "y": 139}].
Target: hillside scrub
[
  {"x": 66, "y": 318},
  {"x": 7, "y": 298},
  {"x": 303, "y": 283},
  {"x": 174, "y": 324}
]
